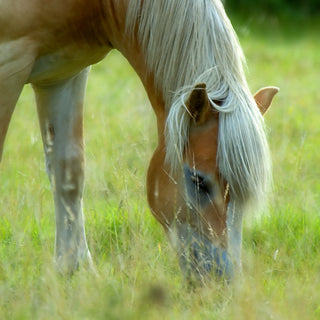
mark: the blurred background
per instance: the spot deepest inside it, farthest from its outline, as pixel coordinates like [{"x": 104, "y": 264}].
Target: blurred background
[{"x": 293, "y": 8}]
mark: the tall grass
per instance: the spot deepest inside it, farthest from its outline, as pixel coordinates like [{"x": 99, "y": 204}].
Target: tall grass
[{"x": 139, "y": 277}]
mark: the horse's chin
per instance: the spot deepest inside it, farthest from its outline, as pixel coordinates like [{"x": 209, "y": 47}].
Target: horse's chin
[{"x": 199, "y": 258}]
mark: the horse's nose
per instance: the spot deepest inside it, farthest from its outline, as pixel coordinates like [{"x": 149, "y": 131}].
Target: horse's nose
[
  {"x": 200, "y": 259},
  {"x": 205, "y": 260}
]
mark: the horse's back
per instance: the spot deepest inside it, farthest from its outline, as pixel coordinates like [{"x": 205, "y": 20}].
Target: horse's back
[{"x": 60, "y": 37}]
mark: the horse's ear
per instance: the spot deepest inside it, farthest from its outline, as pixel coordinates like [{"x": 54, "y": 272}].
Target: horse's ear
[
  {"x": 198, "y": 104},
  {"x": 264, "y": 98}
]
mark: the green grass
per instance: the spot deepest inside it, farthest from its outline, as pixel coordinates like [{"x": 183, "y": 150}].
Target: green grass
[{"x": 139, "y": 274}]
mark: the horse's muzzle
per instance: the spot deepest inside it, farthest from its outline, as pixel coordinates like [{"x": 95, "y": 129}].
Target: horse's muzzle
[{"x": 199, "y": 258}]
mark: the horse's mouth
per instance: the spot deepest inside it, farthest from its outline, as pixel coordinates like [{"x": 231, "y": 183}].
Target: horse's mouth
[{"x": 199, "y": 258}]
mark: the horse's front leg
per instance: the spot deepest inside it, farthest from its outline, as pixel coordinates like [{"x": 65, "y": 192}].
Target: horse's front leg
[{"x": 60, "y": 110}]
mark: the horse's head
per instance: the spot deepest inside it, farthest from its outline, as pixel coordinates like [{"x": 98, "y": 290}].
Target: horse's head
[
  {"x": 192, "y": 204},
  {"x": 207, "y": 192}
]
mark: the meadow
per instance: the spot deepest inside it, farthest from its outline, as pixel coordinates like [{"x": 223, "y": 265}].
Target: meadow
[{"x": 139, "y": 276}]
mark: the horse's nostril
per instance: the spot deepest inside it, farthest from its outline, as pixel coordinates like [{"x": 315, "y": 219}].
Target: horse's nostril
[
  {"x": 224, "y": 266},
  {"x": 200, "y": 259}
]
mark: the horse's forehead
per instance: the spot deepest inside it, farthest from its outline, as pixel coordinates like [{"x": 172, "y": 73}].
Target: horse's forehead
[{"x": 202, "y": 147}]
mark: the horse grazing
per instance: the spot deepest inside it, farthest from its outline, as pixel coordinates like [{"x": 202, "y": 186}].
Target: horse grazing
[{"x": 212, "y": 161}]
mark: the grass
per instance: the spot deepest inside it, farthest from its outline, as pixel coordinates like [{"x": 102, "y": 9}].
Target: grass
[{"x": 139, "y": 274}]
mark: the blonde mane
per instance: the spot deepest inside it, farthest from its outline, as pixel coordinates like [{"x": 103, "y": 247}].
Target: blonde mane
[{"x": 187, "y": 42}]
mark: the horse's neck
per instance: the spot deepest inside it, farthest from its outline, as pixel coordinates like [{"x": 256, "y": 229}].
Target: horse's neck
[
  {"x": 155, "y": 96},
  {"x": 130, "y": 47}
]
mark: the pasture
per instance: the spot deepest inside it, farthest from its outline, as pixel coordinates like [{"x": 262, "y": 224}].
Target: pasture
[{"x": 138, "y": 273}]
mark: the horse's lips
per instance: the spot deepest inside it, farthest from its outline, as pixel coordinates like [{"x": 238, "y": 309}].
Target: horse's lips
[{"x": 200, "y": 258}]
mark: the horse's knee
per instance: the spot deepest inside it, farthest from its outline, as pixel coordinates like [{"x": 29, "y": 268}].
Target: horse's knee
[
  {"x": 66, "y": 175},
  {"x": 71, "y": 177}
]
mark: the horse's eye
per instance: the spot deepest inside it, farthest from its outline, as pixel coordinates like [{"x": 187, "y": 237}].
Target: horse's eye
[
  {"x": 198, "y": 186},
  {"x": 200, "y": 183}
]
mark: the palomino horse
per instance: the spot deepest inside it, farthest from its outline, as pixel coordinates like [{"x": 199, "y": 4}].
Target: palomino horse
[{"x": 212, "y": 158}]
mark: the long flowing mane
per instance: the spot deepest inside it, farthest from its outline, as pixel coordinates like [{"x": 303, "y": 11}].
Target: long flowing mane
[{"x": 187, "y": 42}]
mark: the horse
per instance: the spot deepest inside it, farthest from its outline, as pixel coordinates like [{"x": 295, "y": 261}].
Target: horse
[{"x": 212, "y": 161}]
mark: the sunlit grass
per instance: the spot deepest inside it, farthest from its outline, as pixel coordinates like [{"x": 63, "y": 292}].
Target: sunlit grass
[{"x": 139, "y": 277}]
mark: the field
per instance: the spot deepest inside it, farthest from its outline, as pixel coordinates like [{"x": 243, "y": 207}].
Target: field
[{"x": 139, "y": 277}]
